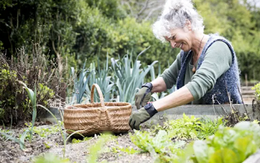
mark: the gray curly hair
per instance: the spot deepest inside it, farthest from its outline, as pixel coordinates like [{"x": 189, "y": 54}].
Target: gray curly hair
[{"x": 174, "y": 15}]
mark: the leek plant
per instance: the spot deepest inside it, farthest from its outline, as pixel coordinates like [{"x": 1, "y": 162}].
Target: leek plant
[
  {"x": 102, "y": 78},
  {"x": 32, "y": 96},
  {"x": 129, "y": 76},
  {"x": 80, "y": 84}
]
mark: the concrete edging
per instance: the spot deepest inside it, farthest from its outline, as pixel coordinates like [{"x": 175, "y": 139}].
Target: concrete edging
[{"x": 205, "y": 111}]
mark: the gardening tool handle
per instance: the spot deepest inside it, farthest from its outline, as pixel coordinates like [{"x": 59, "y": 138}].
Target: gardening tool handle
[{"x": 99, "y": 93}]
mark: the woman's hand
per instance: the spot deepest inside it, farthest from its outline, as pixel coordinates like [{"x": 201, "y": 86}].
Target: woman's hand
[
  {"x": 141, "y": 116},
  {"x": 143, "y": 95}
]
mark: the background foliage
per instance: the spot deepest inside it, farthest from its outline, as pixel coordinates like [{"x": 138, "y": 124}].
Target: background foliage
[
  {"x": 15, "y": 105},
  {"x": 79, "y": 30},
  {"x": 239, "y": 23}
]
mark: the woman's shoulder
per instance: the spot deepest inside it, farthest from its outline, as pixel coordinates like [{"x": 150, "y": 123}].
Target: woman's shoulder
[
  {"x": 221, "y": 49},
  {"x": 219, "y": 44},
  {"x": 213, "y": 38}
]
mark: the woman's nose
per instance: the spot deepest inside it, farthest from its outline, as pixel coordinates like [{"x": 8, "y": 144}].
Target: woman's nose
[{"x": 173, "y": 44}]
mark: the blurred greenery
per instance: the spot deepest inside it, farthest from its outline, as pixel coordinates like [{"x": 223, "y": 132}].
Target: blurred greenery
[
  {"x": 239, "y": 23},
  {"x": 85, "y": 29}
]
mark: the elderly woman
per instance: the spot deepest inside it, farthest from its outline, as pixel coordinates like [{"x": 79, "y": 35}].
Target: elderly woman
[{"x": 205, "y": 71}]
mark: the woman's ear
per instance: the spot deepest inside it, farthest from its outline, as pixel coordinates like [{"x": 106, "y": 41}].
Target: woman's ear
[{"x": 188, "y": 25}]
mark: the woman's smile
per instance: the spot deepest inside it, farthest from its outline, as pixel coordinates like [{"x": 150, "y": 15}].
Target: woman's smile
[{"x": 178, "y": 45}]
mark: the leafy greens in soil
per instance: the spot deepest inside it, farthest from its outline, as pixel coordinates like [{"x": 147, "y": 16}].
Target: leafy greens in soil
[{"x": 188, "y": 139}]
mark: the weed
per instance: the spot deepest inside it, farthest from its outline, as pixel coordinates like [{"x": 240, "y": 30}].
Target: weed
[
  {"x": 96, "y": 148},
  {"x": 44, "y": 131},
  {"x": 128, "y": 150},
  {"x": 74, "y": 140},
  {"x": 63, "y": 134},
  {"x": 50, "y": 158},
  {"x": 9, "y": 136}
]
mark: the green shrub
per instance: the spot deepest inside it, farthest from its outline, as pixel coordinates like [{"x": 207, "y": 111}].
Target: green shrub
[
  {"x": 1, "y": 45},
  {"x": 257, "y": 91},
  {"x": 15, "y": 105},
  {"x": 129, "y": 36},
  {"x": 102, "y": 35},
  {"x": 45, "y": 94},
  {"x": 110, "y": 9},
  {"x": 10, "y": 90}
]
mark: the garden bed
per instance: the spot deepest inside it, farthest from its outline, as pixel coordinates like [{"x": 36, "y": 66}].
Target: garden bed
[
  {"x": 47, "y": 138},
  {"x": 51, "y": 142}
]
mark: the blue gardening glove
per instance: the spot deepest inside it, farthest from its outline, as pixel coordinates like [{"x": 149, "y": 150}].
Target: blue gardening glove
[
  {"x": 143, "y": 95},
  {"x": 141, "y": 116}
]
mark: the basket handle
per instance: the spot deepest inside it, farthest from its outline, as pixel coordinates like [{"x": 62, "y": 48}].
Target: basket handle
[{"x": 99, "y": 93}]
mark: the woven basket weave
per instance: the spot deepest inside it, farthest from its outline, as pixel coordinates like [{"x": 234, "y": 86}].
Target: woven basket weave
[{"x": 97, "y": 117}]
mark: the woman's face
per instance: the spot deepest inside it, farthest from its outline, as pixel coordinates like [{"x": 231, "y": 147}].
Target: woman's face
[{"x": 180, "y": 38}]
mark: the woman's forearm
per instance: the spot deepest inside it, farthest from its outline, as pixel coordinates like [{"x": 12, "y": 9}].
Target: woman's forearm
[
  {"x": 179, "y": 97},
  {"x": 158, "y": 85}
]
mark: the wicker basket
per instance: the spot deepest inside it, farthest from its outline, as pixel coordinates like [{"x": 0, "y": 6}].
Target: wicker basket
[{"x": 97, "y": 117}]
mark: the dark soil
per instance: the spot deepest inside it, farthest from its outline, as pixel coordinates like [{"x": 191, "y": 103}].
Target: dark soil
[{"x": 76, "y": 152}]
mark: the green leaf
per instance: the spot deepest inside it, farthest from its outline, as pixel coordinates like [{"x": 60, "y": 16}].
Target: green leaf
[
  {"x": 160, "y": 141},
  {"x": 224, "y": 155},
  {"x": 129, "y": 76},
  {"x": 245, "y": 147},
  {"x": 200, "y": 150},
  {"x": 50, "y": 158},
  {"x": 13, "y": 139},
  {"x": 22, "y": 138}
]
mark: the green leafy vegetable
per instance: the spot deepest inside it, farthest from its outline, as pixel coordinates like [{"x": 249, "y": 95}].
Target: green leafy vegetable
[{"x": 227, "y": 145}]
